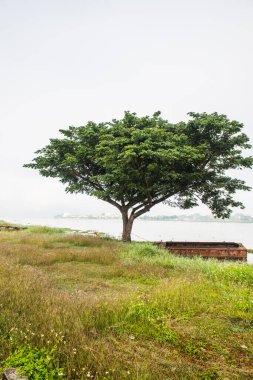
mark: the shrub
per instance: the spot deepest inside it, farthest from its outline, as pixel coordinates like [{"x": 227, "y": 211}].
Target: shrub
[{"x": 35, "y": 363}]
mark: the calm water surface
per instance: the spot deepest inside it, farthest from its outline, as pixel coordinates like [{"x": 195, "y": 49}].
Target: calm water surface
[{"x": 159, "y": 230}]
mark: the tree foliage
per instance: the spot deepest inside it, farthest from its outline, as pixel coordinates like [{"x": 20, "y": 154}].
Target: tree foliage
[{"x": 137, "y": 162}]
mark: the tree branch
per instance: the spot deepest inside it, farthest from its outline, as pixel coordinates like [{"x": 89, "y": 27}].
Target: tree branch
[
  {"x": 98, "y": 187},
  {"x": 147, "y": 207}
]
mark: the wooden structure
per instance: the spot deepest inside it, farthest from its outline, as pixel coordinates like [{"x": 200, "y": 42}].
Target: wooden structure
[
  {"x": 217, "y": 250},
  {"x": 11, "y": 228}
]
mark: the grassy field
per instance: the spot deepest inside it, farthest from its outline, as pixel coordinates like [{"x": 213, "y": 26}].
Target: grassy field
[{"x": 93, "y": 308}]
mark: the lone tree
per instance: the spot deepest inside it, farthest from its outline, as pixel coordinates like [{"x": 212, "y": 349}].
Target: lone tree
[{"x": 137, "y": 162}]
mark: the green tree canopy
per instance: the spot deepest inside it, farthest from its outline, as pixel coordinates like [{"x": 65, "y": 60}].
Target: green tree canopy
[{"x": 137, "y": 162}]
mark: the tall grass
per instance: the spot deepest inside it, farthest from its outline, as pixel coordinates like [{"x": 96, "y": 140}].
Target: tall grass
[{"x": 124, "y": 311}]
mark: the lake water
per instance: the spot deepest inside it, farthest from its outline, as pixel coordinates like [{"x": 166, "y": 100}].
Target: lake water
[{"x": 159, "y": 230}]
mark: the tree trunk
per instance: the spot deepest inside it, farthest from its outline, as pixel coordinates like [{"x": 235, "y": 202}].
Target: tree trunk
[{"x": 127, "y": 227}]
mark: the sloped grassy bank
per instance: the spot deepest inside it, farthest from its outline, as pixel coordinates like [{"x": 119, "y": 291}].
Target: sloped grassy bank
[{"x": 76, "y": 307}]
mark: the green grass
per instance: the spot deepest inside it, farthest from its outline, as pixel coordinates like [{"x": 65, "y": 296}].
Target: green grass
[
  {"x": 110, "y": 310},
  {"x": 46, "y": 230}
]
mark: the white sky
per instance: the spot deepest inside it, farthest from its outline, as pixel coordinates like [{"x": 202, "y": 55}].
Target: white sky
[{"x": 64, "y": 62}]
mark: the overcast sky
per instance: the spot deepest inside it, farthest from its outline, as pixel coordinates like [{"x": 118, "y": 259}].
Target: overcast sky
[{"x": 64, "y": 62}]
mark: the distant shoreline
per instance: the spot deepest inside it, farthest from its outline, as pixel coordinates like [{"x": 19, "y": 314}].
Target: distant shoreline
[{"x": 193, "y": 218}]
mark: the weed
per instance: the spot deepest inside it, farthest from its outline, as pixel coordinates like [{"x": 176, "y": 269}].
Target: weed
[
  {"x": 35, "y": 363},
  {"x": 210, "y": 374}
]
